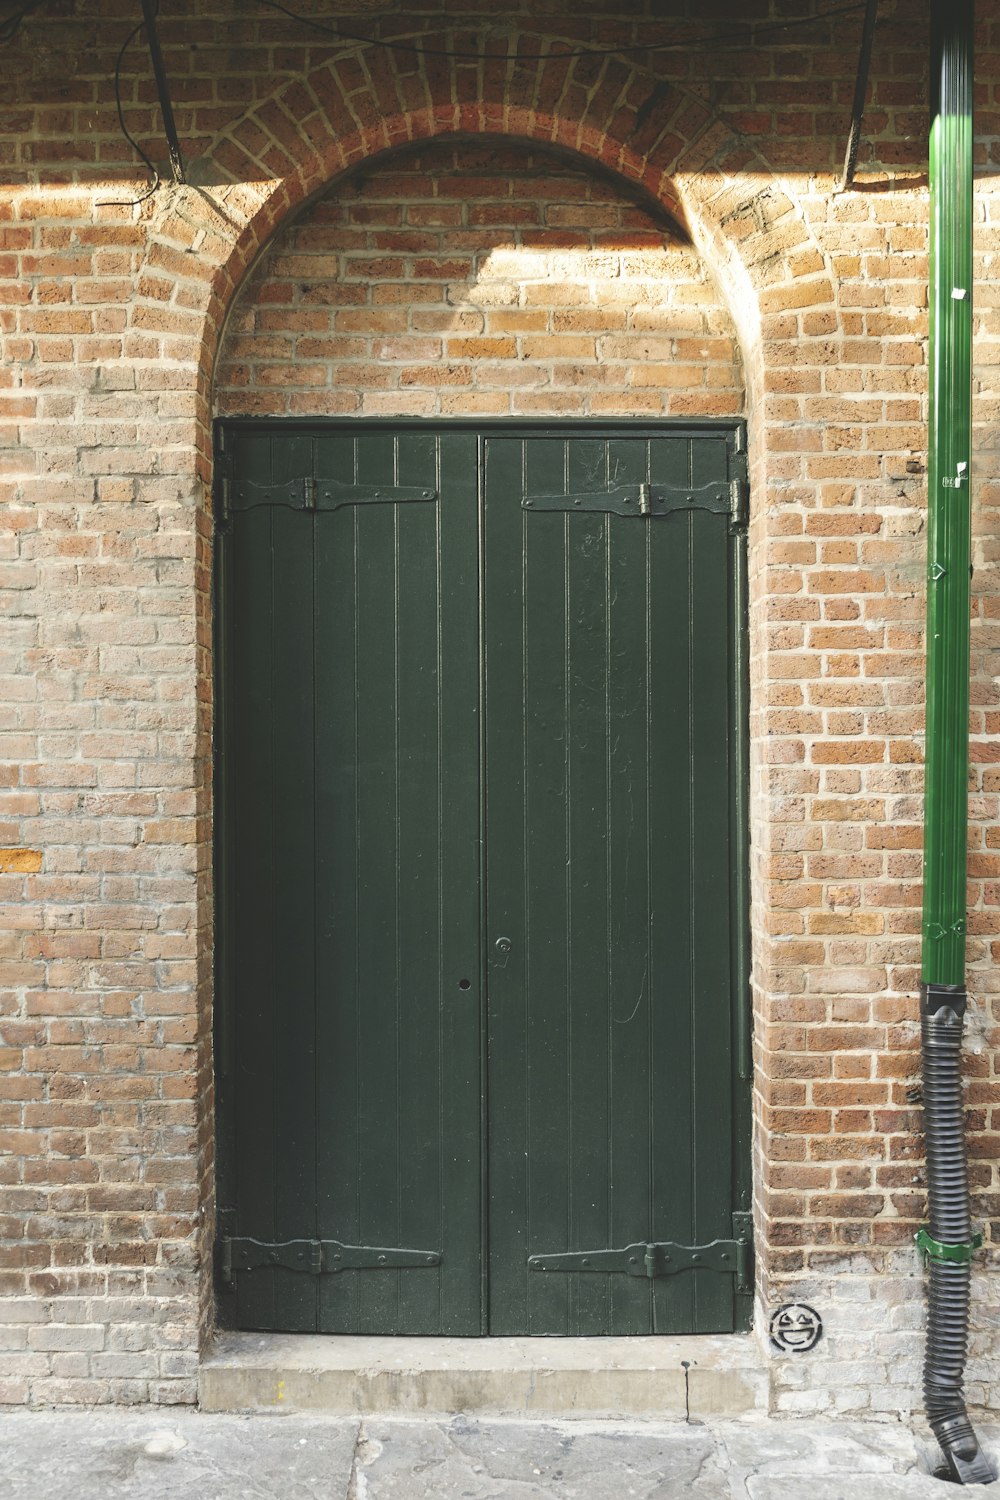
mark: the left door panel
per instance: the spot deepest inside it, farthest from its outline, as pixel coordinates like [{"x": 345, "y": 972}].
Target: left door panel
[{"x": 349, "y": 1038}]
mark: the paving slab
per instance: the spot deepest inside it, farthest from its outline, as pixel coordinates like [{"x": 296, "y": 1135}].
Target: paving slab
[
  {"x": 860, "y": 1487},
  {"x": 808, "y": 1447},
  {"x": 182, "y": 1454},
  {"x": 810, "y": 1460},
  {"x": 165, "y": 1455},
  {"x": 518, "y": 1461}
]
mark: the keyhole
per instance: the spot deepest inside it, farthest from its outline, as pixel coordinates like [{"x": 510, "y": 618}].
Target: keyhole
[{"x": 465, "y": 984}]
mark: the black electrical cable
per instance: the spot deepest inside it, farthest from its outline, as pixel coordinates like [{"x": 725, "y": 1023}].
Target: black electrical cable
[
  {"x": 715, "y": 41},
  {"x": 154, "y": 174},
  {"x": 9, "y": 28}
]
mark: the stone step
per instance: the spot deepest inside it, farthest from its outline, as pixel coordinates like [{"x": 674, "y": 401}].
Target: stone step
[{"x": 675, "y": 1378}]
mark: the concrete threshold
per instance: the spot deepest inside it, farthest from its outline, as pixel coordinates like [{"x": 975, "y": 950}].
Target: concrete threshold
[{"x": 650, "y": 1377}]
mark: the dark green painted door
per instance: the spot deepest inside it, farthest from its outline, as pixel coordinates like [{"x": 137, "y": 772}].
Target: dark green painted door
[
  {"x": 609, "y": 774},
  {"x": 480, "y": 941},
  {"x": 349, "y": 1069}
]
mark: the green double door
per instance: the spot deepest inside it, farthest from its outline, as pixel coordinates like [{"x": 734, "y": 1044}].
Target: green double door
[{"x": 481, "y": 1039}]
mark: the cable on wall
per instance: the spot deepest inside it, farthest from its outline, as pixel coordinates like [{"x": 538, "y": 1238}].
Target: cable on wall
[
  {"x": 154, "y": 174},
  {"x": 713, "y": 41}
]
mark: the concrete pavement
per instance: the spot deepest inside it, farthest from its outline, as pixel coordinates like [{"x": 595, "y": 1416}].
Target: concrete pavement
[{"x": 182, "y": 1454}]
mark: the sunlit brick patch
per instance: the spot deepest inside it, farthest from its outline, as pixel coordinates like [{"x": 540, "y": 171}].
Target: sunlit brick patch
[{"x": 477, "y": 279}]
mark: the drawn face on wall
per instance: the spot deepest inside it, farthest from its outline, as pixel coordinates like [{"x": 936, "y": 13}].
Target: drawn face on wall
[{"x": 795, "y": 1328}]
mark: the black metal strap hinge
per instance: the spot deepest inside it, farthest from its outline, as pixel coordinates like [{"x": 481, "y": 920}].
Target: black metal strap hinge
[
  {"x": 640, "y": 500},
  {"x": 317, "y": 1257},
  {"x": 322, "y": 494},
  {"x": 732, "y": 1257},
  {"x": 222, "y": 482}
]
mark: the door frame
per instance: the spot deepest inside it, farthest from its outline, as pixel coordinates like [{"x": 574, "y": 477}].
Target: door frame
[{"x": 741, "y": 1079}]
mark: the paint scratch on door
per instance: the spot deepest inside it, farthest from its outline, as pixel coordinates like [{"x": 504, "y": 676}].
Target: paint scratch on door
[{"x": 635, "y": 1011}]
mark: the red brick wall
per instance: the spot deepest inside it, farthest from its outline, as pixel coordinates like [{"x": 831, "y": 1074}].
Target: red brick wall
[
  {"x": 110, "y": 322},
  {"x": 476, "y": 279}
]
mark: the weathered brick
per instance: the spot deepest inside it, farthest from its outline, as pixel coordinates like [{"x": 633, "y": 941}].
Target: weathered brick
[{"x": 462, "y": 278}]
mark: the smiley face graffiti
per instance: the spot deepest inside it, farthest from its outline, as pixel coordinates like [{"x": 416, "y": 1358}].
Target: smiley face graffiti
[{"x": 795, "y": 1328}]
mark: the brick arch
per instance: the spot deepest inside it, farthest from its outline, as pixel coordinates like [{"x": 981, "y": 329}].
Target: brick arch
[
  {"x": 744, "y": 220},
  {"x": 658, "y": 139}
]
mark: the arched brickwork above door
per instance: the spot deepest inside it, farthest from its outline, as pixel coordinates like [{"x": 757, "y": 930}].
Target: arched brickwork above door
[
  {"x": 663, "y": 140},
  {"x": 470, "y": 277}
]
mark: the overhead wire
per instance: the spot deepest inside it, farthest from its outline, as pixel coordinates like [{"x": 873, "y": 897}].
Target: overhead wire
[
  {"x": 714, "y": 41},
  {"x": 9, "y": 27},
  {"x": 154, "y": 174}
]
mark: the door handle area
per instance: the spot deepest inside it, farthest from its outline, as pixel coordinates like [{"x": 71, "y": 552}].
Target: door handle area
[{"x": 503, "y": 946}]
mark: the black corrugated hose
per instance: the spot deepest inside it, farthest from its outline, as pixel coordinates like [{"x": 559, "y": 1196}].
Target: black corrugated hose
[{"x": 950, "y": 1241}]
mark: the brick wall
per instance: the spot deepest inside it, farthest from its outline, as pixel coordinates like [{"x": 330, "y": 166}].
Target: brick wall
[
  {"x": 111, "y": 318},
  {"x": 461, "y": 280}
]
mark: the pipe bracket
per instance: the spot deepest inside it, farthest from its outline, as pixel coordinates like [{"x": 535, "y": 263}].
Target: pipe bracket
[
  {"x": 947, "y": 1254},
  {"x": 935, "y": 997}
]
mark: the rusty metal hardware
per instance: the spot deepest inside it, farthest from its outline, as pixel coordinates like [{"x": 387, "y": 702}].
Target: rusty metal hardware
[
  {"x": 654, "y": 1260},
  {"x": 317, "y": 1257},
  {"x": 320, "y": 494},
  {"x": 647, "y": 500}
]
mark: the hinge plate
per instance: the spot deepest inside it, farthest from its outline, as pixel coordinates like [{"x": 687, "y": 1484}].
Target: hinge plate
[
  {"x": 739, "y": 482},
  {"x": 654, "y": 1260},
  {"x": 639, "y": 500},
  {"x": 317, "y": 1257},
  {"x": 743, "y": 1235},
  {"x": 322, "y": 494},
  {"x": 739, "y": 491},
  {"x": 222, "y": 487}
]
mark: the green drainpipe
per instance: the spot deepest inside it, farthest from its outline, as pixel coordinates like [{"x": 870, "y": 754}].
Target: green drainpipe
[{"x": 948, "y": 1240}]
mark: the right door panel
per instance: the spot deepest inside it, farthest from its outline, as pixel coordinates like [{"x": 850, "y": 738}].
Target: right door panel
[{"x": 610, "y": 778}]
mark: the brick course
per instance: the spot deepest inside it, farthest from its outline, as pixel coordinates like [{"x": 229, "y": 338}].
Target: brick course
[{"x": 381, "y": 296}]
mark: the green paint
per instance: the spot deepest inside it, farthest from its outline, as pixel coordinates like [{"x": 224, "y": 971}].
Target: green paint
[
  {"x": 482, "y": 955},
  {"x": 938, "y": 1250},
  {"x": 948, "y": 471}
]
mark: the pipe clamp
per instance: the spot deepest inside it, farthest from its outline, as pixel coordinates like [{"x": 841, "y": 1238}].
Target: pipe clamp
[
  {"x": 949, "y": 1254},
  {"x": 935, "y": 997}
]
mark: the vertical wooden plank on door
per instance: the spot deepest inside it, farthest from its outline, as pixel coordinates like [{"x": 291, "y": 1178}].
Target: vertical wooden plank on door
[
  {"x": 630, "y": 649},
  {"x": 711, "y": 781},
  {"x": 251, "y": 942},
  {"x": 337, "y": 851},
  {"x": 671, "y": 686},
  {"x": 545, "y": 606},
  {"x": 588, "y": 731},
  {"x": 459, "y": 1104},
  {"x": 689, "y": 830},
  {"x": 506, "y": 934},
  {"x": 377, "y": 689},
  {"x": 293, "y": 883},
  {"x": 415, "y": 883}
]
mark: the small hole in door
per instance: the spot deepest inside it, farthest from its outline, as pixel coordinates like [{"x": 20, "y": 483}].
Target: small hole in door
[{"x": 465, "y": 984}]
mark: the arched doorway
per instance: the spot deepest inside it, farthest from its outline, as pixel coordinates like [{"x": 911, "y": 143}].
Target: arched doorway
[{"x": 481, "y": 988}]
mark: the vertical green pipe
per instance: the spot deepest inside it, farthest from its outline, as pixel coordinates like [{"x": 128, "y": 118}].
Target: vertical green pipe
[
  {"x": 948, "y": 1240},
  {"x": 948, "y": 540}
]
